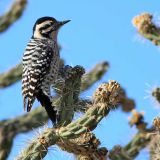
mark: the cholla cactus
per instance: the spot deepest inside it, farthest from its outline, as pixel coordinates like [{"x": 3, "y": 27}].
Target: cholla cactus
[
  {"x": 146, "y": 27},
  {"x": 143, "y": 22},
  {"x": 155, "y": 141},
  {"x": 76, "y": 136}
]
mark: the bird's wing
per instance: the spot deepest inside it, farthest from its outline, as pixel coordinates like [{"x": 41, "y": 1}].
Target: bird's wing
[{"x": 36, "y": 64}]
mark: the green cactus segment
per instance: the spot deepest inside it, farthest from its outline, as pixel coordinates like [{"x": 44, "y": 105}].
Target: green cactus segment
[
  {"x": 12, "y": 15},
  {"x": 139, "y": 142},
  {"x": 6, "y": 141},
  {"x": 10, "y": 77},
  {"x": 39, "y": 147},
  {"x": 69, "y": 93},
  {"x": 132, "y": 149},
  {"x": 146, "y": 27},
  {"x": 22, "y": 123},
  {"x": 84, "y": 124}
]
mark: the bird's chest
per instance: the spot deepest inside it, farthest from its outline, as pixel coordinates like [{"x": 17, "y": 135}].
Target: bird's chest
[{"x": 54, "y": 66}]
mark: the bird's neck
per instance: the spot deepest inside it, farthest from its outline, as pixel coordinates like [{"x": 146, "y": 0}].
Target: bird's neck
[{"x": 54, "y": 35}]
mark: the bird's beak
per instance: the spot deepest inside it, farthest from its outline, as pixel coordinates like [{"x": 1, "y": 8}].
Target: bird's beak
[{"x": 63, "y": 22}]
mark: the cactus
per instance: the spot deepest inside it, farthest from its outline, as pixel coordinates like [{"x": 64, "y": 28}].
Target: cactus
[
  {"x": 104, "y": 99},
  {"x": 149, "y": 30},
  {"x": 146, "y": 27},
  {"x": 13, "y": 14}
]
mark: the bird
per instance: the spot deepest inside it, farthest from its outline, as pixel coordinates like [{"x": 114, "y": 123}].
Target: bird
[{"x": 40, "y": 61}]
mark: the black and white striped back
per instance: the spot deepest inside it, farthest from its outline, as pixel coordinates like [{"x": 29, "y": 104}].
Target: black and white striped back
[{"x": 40, "y": 64}]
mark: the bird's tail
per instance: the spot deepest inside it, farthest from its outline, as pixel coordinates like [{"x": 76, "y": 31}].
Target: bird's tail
[
  {"x": 28, "y": 102},
  {"x": 47, "y": 104}
]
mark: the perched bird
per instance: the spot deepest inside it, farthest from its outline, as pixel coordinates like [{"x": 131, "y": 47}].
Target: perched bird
[{"x": 41, "y": 63}]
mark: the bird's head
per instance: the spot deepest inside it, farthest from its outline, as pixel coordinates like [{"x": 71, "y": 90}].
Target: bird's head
[{"x": 47, "y": 27}]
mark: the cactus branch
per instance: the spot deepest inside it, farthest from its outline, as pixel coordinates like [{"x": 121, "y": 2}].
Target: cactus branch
[
  {"x": 14, "y": 13},
  {"x": 139, "y": 142},
  {"x": 11, "y": 76},
  {"x": 69, "y": 94},
  {"x": 146, "y": 27},
  {"x": 132, "y": 149}
]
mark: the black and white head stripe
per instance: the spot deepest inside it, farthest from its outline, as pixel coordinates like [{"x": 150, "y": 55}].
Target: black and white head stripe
[
  {"x": 47, "y": 27},
  {"x": 41, "y": 20}
]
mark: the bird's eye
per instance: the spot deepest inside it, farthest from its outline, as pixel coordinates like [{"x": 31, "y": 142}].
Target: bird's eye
[{"x": 45, "y": 27}]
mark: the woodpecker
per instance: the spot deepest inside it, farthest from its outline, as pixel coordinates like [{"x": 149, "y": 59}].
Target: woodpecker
[{"x": 41, "y": 63}]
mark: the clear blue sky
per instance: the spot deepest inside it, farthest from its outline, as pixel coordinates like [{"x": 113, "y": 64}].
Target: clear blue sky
[{"x": 99, "y": 30}]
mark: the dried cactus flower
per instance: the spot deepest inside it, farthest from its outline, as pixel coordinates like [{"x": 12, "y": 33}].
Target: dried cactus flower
[
  {"x": 146, "y": 27},
  {"x": 142, "y": 21},
  {"x": 107, "y": 94},
  {"x": 138, "y": 120}
]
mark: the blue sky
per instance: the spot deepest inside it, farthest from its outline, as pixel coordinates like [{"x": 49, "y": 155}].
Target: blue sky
[{"x": 99, "y": 30}]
